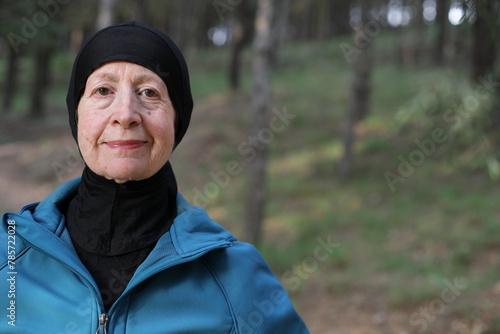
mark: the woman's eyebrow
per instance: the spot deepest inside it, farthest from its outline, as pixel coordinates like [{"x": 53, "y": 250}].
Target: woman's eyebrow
[
  {"x": 137, "y": 80},
  {"x": 143, "y": 78},
  {"x": 108, "y": 76}
]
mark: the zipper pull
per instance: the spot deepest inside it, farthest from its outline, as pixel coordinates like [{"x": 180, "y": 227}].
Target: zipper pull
[{"x": 103, "y": 321}]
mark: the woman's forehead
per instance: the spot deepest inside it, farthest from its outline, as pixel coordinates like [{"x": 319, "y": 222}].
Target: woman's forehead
[{"x": 119, "y": 70}]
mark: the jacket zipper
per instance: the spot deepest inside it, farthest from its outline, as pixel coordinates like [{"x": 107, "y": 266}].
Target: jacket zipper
[
  {"x": 103, "y": 322},
  {"x": 103, "y": 318}
]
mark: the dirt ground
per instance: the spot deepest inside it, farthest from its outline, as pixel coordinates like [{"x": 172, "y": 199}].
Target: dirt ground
[{"x": 36, "y": 156}]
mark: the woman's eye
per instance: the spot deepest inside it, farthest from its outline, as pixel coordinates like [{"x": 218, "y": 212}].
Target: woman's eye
[
  {"x": 103, "y": 91},
  {"x": 150, "y": 93}
]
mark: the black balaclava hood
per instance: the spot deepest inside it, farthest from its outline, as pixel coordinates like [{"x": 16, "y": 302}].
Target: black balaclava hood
[
  {"x": 115, "y": 226},
  {"x": 142, "y": 45}
]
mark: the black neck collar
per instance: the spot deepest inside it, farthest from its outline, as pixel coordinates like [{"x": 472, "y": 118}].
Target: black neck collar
[{"x": 106, "y": 218}]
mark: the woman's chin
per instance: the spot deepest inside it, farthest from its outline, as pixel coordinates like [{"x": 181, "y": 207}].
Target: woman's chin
[{"x": 121, "y": 174}]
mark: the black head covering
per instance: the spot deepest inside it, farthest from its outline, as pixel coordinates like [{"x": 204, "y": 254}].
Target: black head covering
[{"x": 142, "y": 45}]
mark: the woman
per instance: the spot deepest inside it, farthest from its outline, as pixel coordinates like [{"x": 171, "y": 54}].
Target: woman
[{"x": 119, "y": 250}]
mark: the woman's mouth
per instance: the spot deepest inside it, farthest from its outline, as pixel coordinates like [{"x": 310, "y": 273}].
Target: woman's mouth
[{"x": 125, "y": 144}]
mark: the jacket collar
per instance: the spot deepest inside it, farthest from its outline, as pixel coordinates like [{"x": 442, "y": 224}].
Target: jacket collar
[{"x": 193, "y": 233}]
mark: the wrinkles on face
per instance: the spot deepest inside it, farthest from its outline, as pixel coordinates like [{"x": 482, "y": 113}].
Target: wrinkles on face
[{"x": 126, "y": 122}]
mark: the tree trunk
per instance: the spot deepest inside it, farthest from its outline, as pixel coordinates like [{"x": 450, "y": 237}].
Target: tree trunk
[
  {"x": 484, "y": 53},
  {"x": 280, "y": 23},
  {"x": 76, "y": 39},
  {"x": 257, "y": 193},
  {"x": 106, "y": 14},
  {"x": 183, "y": 24},
  {"x": 417, "y": 43},
  {"x": 359, "y": 98},
  {"x": 483, "y": 47},
  {"x": 242, "y": 34},
  {"x": 140, "y": 11},
  {"x": 204, "y": 14},
  {"x": 339, "y": 14},
  {"x": 40, "y": 82},
  {"x": 442, "y": 9},
  {"x": 322, "y": 19},
  {"x": 235, "y": 65},
  {"x": 10, "y": 79}
]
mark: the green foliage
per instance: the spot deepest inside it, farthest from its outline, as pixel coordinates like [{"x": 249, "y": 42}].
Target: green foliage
[{"x": 464, "y": 111}]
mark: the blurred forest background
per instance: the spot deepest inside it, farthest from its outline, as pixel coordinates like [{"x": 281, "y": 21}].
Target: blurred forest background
[{"x": 355, "y": 142}]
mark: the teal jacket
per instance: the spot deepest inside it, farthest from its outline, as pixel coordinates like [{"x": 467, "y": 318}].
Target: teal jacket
[{"x": 198, "y": 279}]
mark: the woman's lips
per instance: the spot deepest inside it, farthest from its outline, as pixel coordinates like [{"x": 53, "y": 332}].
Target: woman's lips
[{"x": 125, "y": 144}]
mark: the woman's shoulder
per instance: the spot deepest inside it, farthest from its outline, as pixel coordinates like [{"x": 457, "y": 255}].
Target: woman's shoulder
[
  {"x": 259, "y": 299},
  {"x": 241, "y": 265}
]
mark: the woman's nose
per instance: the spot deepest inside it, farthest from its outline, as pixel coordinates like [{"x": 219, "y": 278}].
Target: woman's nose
[{"x": 126, "y": 111}]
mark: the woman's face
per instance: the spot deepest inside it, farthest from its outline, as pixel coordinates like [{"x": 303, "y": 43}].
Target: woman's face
[{"x": 125, "y": 122}]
